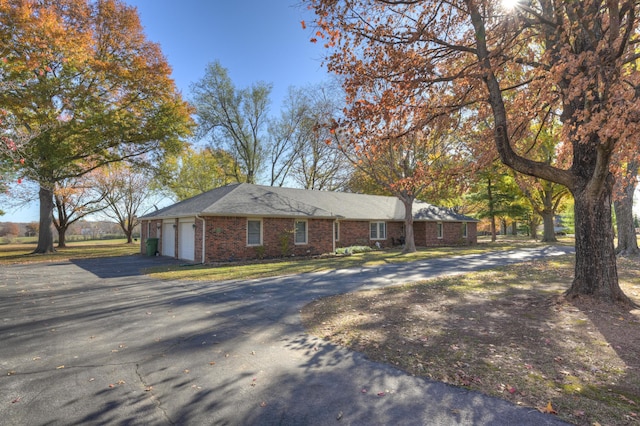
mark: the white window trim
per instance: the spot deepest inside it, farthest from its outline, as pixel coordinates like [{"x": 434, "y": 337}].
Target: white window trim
[
  {"x": 306, "y": 233},
  {"x": 465, "y": 233},
  {"x": 378, "y": 238},
  {"x": 336, "y": 231},
  {"x": 440, "y": 230},
  {"x": 261, "y": 232}
]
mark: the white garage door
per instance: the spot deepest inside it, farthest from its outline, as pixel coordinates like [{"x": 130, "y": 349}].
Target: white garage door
[
  {"x": 168, "y": 239},
  {"x": 186, "y": 240}
]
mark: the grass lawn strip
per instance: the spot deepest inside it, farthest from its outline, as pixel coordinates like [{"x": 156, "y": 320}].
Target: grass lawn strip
[
  {"x": 506, "y": 332},
  {"x": 21, "y": 253},
  {"x": 290, "y": 266}
]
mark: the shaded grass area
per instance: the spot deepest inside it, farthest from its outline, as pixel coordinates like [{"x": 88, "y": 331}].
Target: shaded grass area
[
  {"x": 290, "y": 266},
  {"x": 22, "y": 253},
  {"x": 506, "y": 332}
]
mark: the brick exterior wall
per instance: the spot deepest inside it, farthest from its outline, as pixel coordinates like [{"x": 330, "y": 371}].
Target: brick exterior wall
[
  {"x": 226, "y": 237},
  {"x": 451, "y": 234},
  {"x": 357, "y": 233},
  {"x": 149, "y": 231}
]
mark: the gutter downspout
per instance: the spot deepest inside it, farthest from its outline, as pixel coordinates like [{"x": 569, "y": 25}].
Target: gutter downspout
[{"x": 203, "y": 235}]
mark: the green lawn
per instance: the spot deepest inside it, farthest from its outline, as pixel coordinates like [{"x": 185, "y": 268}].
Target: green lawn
[
  {"x": 290, "y": 266},
  {"x": 21, "y": 253}
]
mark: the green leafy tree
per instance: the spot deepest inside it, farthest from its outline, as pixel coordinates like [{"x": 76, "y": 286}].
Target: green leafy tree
[
  {"x": 196, "y": 171},
  {"x": 235, "y": 119},
  {"x": 80, "y": 87}
]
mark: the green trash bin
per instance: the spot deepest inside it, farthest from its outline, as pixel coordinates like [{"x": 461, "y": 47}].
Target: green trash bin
[{"x": 152, "y": 246}]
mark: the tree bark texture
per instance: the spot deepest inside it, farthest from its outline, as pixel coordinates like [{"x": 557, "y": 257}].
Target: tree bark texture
[
  {"x": 409, "y": 238},
  {"x": 595, "y": 270},
  {"x": 627, "y": 240},
  {"x": 45, "y": 236},
  {"x": 548, "y": 227},
  {"x": 62, "y": 236}
]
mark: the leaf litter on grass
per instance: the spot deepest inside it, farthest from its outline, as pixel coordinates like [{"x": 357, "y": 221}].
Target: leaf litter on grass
[{"x": 506, "y": 332}]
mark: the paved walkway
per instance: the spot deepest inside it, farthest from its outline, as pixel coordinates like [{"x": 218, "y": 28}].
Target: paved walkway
[{"x": 94, "y": 342}]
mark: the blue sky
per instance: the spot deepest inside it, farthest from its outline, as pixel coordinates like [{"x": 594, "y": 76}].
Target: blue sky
[{"x": 256, "y": 40}]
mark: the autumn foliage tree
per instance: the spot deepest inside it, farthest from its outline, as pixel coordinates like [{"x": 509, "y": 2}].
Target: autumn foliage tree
[
  {"x": 80, "y": 87},
  {"x": 124, "y": 195},
  {"x": 571, "y": 59},
  {"x": 73, "y": 199}
]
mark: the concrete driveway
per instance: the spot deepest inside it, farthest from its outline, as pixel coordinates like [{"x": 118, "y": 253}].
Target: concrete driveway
[{"x": 95, "y": 342}]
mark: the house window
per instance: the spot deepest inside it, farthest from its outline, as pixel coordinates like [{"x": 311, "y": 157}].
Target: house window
[
  {"x": 440, "y": 232},
  {"x": 254, "y": 232},
  {"x": 301, "y": 232},
  {"x": 378, "y": 230},
  {"x": 464, "y": 229},
  {"x": 336, "y": 231}
]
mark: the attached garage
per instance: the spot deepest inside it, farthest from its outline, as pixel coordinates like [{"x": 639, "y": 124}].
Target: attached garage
[
  {"x": 187, "y": 239},
  {"x": 169, "y": 238}
]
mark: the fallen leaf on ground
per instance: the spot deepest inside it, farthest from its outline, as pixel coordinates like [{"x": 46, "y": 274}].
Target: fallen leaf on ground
[
  {"x": 60, "y": 367},
  {"x": 549, "y": 409}
]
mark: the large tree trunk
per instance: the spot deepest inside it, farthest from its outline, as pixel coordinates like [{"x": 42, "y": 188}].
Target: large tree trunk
[
  {"x": 627, "y": 240},
  {"x": 128, "y": 232},
  {"x": 548, "y": 226},
  {"x": 595, "y": 271},
  {"x": 45, "y": 236},
  {"x": 62, "y": 236},
  {"x": 409, "y": 239},
  {"x": 533, "y": 226}
]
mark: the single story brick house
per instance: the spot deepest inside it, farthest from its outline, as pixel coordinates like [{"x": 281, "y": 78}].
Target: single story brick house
[{"x": 244, "y": 221}]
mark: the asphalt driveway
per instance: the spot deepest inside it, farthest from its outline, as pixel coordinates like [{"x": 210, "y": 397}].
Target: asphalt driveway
[{"x": 95, "y": 342}]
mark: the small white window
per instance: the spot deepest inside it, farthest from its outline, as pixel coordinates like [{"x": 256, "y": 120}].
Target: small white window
[
  {"x": 301, "y": 232},
  {"x": 336, "y": 231},
  {"x": 254, "y": 232},
  {"x": 378, "y": 230},
  {"x": 464, "y": 229},
  {"x": 440, "y": 232}
]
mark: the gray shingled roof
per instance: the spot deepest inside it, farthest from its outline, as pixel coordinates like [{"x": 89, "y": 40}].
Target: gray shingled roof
[{"x": 248, "y": 200}]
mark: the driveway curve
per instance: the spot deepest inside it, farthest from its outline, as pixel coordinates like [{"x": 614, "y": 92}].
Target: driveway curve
[{"x": 95, "y": 342}]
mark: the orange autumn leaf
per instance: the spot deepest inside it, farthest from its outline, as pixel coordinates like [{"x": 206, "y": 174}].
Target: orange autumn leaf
[{"x": 549, "y": 409}]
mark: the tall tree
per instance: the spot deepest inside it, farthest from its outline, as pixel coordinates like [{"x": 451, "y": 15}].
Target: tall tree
[
  {"x": 124, "y": 194},
  {"x": 298, "y": 147},
  {"x": 542, "y": 56},
  {"x": 80, "y": 87},
  {"x": 408, "y": 166},
  {"x": 195, "y": 171},
  {"x": 235, "y": 119},
  {"x": 623, "y": 205},
  {"x": 73, "y": 199}
]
